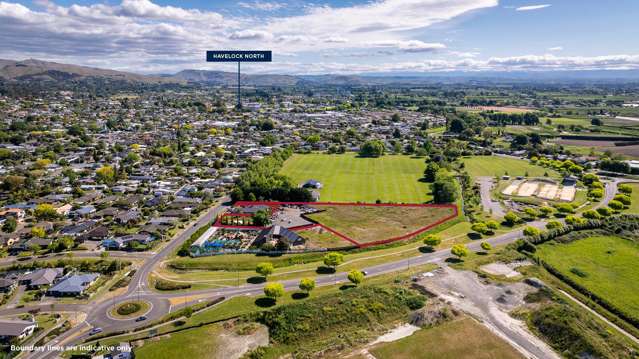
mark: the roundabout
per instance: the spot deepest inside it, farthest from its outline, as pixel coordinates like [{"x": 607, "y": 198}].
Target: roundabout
[{"x": 129, "y": 309}]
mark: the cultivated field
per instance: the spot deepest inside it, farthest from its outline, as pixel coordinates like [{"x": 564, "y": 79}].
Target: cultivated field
[
  {"x": 464, "y": 338},
  {"x": 366, "y": 224},
  {"x": 348, "y": 178},
  {"x": 498, "y": 166},
  {"x": 606, "y": 266}
]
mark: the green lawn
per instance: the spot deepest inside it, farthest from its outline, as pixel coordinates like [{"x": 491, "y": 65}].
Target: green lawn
[
  {"x": 464, "y": 338},
  {"x": 606, "y": 265},
  {"x": 498, "y": 166},
  {"x": 634, "y": 206},
  {"x": 198, "y": 343},
  {"x": 348, "y": 178}
]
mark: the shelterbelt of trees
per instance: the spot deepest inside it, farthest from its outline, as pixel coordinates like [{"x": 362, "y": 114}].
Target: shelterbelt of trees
[{"x": 262, "y": 181}]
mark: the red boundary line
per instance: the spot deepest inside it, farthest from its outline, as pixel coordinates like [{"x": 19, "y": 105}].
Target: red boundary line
[{"x": 361, "y": 245}]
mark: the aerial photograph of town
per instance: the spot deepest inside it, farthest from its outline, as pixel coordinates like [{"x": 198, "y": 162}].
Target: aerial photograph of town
[{"x": 364, "y": 179}]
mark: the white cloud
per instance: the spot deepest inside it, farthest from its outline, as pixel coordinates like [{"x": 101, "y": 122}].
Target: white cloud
[
  {"x": 555, "y": 48},
  {"x": 411, "y": 45},
  {"x": 262, "y": 5},
  {"x": 251, "y": 35},
  {"x": 532, "y": 7}
]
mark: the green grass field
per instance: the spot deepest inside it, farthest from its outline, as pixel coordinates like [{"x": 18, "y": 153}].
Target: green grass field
[
  {"x": 464, "y": 338},
  {"x": 497, "y": 166},
  {"x": 634, "y": 206},
  {"x": 606, "y": 265},
  {"x": 348, "y": 178}
]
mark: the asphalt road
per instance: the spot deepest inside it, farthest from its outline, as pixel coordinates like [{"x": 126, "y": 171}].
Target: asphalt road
[{"x": 97, "y": 313}]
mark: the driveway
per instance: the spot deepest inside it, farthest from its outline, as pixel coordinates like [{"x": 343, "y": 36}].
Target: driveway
[{"x": 490, "y": 206}]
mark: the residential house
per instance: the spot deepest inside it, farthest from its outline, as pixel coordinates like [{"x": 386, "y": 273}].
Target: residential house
[
  {"x": 74, "y": 285},
  {"x": 41, "y": 277},
  {"x": 16, "y": 329}
]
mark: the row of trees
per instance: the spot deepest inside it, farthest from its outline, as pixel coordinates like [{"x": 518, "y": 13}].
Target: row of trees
[{"x": 262, "y": 180}]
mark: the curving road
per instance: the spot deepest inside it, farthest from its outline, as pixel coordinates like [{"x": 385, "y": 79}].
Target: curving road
[{"x": 97, "y": 312}]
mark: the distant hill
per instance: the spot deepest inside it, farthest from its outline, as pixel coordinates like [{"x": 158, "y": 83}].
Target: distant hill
[
  {"x": 230, "y": 78},
  {"x": 43, "y": 71}
]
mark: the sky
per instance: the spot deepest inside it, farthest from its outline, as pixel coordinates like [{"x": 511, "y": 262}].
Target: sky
[{"x": 319, "y": 37}]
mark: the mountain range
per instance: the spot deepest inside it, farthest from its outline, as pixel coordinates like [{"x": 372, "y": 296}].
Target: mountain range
[{"x": 38, "y": 71}]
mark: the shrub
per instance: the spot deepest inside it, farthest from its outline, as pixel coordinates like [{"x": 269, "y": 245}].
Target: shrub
[
  {"x": 625, "y": 199},
  {"x": 459, "y": 250},
  {"x": 274, "y": 290},
  {"x": 604, "y": 211},
  {"x": 596, "y": 193},
  {"x": 486, "y": 246},
  {"x": 553, "y": 224},
  {"x": 162, "y": 284},
  {"x": 129, "y": 308},
  {"x": 624, "y": 188},
  {"x": 531, "y": 231}
]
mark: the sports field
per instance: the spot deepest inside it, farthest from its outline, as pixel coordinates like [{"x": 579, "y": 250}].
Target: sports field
[
  {"x": 606, "y": 266},
  {"x": 498, "y": 166},
  {"x": 348, "y": 178}
]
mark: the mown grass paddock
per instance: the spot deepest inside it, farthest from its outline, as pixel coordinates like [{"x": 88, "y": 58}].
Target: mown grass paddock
[
  {"x": 350, "y": 178},
  {"x": 604, "y": 265}
]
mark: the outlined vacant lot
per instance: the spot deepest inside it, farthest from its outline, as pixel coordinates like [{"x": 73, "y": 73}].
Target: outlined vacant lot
[{"x": 362, "y": 224}]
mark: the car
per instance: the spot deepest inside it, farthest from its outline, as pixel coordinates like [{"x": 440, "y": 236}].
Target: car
[
  {"x": 364, "y": 272},
  {"x": 95, "y": 331},
  {"x": 141, "y": 318}
]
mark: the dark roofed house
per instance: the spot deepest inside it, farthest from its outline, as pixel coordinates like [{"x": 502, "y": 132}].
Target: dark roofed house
[
  {"x": 73, "y": 286},
  {"x": 312, "y": 184},
  {"x": 130, "y": 216},
  {"x": 77, "y": 229},
  {"x": 276, "y": 233},
  {"x": 12, "y": 329},
  {"x": 41, "y": 277},
  {"x": 96, "y": 234},
  {"x": 7, "y": 285}
]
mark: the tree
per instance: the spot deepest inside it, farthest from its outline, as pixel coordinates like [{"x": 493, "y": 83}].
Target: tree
[
  {"x": 264, "y": 269},
  {"x": 616, "y": 205},
  {"x": 274, "y": 290},
  {"x": 105, "y": 174},
  {"x": 261, "y": 217},
  {"x": 589, "y": 178},
  {"x": 546, "y": 211},
  {"x": 45, "y": 211},
  {"x": 591, "y": 214},
  {"x": 38, "y": 232},
  {"x": 605, "y": 211},
  {"x": 432, "y": 240},
  {"x": 355, "y": 276},
  {"x": 307, "y": 285},
  {"x": 479, "y": 227},
  {"x": 492, "y": 224},
  {"x": 457, "y": 126},
  {"x": 373, "y": 148},
  {"x": 445, "y": 187},
  {"x": 531, "y": 231},
  {"x": 431, "y": 171},
  {"x": 333, "y": 259},
  {"x": 486, "y": 246},
  {"x": 596, "y": 193},
  {"x": 9, "y": 225},
  {"x": 459, "y": 251},
  {"x": 511, "y": 218},
  {"x": 531, "y": 212},
  {"x": 596, "y": 122}
]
